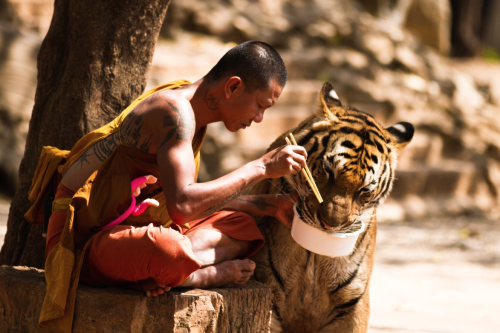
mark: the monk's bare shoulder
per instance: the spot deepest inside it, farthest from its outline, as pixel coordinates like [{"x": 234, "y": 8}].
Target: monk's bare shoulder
[
  {"x": 178, "y": 121},
  {"x": 162, "y": 118}
]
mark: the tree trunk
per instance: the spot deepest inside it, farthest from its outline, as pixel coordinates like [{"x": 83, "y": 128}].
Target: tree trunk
[{"x": 92, "y": 64}]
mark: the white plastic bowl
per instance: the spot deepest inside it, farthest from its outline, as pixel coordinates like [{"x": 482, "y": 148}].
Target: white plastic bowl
[{"x": 322, "y": 242}]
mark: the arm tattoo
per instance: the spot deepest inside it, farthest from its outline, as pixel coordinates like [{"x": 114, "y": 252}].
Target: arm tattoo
[
  {"x": 84, "y": 158},
  {"x": 219, "y": 206},
  {"x": 132, "y": 128},
  {"x": 211, "y": 101},
  {"x": 259, "y": 202},
  {"x": 146, "y": 144},
  {"x": 173, "y": 107},
  {"x": 104, "y": 148},
  {"x": 179, "y": 125}
]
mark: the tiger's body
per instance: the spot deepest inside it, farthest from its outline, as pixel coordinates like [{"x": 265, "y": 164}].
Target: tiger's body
[{"x": 352, "y": 159}]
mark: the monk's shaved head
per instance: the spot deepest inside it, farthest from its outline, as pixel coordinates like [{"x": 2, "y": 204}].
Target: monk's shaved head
[{"x": 255, "y": 63}]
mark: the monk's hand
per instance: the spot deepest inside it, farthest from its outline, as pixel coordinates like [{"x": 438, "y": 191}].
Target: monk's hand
[
  {"x": 284, "y": 207},
  {"x": 137, "y": 190},
  {"x": 159, "y": 290},
  {"x": 283, "y": 161}
]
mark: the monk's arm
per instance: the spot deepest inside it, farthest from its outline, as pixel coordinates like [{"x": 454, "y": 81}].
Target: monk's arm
[
  {"x": 262, "y": 204},
  {"x": 188, "y": 200},
  {"x": 277, "y": 205}
]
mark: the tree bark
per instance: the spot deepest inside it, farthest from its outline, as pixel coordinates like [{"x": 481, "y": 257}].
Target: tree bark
[{"x": 91, "y": 65}]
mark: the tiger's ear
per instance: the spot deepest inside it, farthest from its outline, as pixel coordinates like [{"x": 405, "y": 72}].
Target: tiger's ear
[
  {"x": 330, "y": 101},
  {"x": 400, "y": 134}
]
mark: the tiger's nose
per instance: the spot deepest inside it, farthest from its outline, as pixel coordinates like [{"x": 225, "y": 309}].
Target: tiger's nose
[{"x": 329, "y": 227}]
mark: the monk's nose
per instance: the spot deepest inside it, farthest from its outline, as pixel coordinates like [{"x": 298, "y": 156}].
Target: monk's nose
[{"x": 258, "y": 117}]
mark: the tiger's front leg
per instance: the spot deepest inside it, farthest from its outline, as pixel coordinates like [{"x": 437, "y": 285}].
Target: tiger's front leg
[{"x": 355, "y": 320}]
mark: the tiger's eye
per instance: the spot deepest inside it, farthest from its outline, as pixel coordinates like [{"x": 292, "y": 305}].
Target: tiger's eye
[{"x": 364, "y": 196}]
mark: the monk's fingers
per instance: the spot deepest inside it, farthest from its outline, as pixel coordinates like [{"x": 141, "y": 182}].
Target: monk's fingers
[
  {"x": 295, "y": 167},
  {"x": 160, "y": 291},
  {"x": 143, "y": 185},
  {"x": 136, "y": 191},
  {"x": 148, "y": 293}
]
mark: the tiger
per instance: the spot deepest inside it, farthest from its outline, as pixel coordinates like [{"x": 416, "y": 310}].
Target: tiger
[{"x": 352, "y": 159}]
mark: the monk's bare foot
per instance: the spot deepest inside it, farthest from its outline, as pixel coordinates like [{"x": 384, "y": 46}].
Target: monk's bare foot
[
  {"x": 232, "y": 272},
  {"x": 149, "y": 287}
]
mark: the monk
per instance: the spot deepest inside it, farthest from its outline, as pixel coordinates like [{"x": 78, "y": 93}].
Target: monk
[{"x": 202, "y": 233}]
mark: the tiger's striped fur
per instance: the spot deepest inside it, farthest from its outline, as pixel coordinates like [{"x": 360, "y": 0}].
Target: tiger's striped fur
[{"x": 352, "y": 159}]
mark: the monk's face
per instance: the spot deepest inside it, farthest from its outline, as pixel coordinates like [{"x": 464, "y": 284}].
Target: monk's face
[{"x": 247, "y": 107}]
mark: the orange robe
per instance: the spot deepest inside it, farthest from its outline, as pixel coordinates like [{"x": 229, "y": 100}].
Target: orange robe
[
  {"x": 106, "y": 195},
  {"x": 124, "y": 253}
]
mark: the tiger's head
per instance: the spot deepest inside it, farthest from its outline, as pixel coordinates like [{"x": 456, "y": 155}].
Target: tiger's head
[{"x": 352, "y": 159}]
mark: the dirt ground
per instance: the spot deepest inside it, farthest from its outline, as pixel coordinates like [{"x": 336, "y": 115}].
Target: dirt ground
[
  {"x": 436, "y": 276},
  {"x": 429, "y": 276}
]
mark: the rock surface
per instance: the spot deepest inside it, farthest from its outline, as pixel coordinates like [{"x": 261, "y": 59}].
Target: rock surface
[
  {"x": 18, "y": 51},
  {"x": 431, "y": 21},
  {"x": 238, "y": 309},
  {"x": 36, "y": 14}
]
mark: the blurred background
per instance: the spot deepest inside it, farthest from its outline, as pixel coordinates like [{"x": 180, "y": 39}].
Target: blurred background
[{"x": 434, "y": 63}]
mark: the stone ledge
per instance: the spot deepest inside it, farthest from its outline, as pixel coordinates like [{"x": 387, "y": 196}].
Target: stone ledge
[{"x": 237, "y": 309}]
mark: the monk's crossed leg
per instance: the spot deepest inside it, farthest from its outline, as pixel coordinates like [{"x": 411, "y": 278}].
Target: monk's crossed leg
[
  {"x": 217, "y": 253},
  {"x": 139, "y": 257},
  {"x": 153, "y": 259}
]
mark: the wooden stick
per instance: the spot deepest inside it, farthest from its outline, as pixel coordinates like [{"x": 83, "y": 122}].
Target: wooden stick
[
  {"x": 307, "y": 169},
  {"x": 309, "y": 180}
]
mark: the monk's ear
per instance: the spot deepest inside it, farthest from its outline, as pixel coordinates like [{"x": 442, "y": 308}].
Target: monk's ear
[
  {"x": 329, "y": 101},
  {"x": 400, "y": 134},
  {"x": 232, "y": 84}
]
